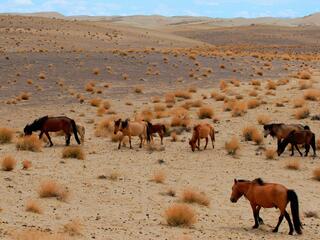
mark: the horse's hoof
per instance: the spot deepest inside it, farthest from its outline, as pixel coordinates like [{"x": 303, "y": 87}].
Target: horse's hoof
[
  {"x": 255, "y": 226},
  {"x": 290, "y": 233},
  {"x": 275, "y": 230}
]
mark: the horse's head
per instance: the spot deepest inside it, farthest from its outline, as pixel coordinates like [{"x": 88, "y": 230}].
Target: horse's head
[
  {"x": 27, "y": 130},
  {"x": 267, "y": 130},
  {"x": 236, "y": 191},
  {"x": 192, "y": 144},
  {"x": 117, "y": 126}
]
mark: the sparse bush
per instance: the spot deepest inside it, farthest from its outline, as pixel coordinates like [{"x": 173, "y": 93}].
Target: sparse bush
[
  {"x": 217, "y": 96},
  {"x": 255, "y": 82},
  {"x": 312, "y": 94},
  {"x": 174, "y": 137},
  {"x": 73, "y": 152},
  {"x": 305, "y": 84},
  {"x": 263, "y": 119},
  {"x": 29, "y": 143},
  {"x": 302, "y": 113},
  {"x": 138, "y": 89},
  {"x": 180, "y": 215},
  {"x": 24, "y": 96},
  {"x": 257, "y": 137},
  {"x": 270, "y": 153},
  {"x": 33, "y": 206},
  {"x": 51, "y": 188},
  {"x": 205, "y": 112},
  {"x": 6, "y": 135},
  {"x": 253, "y": 103},
  {"x": 159, "y": 107},
  {"x": 182, "y": 94},
  {"x": 239, "y": 109},
  {"x": 170, "y": 98},
  {"x": 298, "y": 102},
  {"x": 89, "y": 87},
  {"x": 8, "y": 163},
  {"x": 232, "y": 146},
  {"x": 316, "y": 174},
  {"x": 271, "y": 85},
  {"x": 293, "y": 165},
  {"x": 247, "y": 132},
  {"x": 318, "y": 143},
  {"x": 158, "y": 177},
  {"x": 191, "y": 196},
  {"x": 304, "y": 75},
  {"x": 311, "y": 214},
  {"x": 96, "y": 71},
  {"x": 26, "y": 164},
  {"x": 73, "y": 228},
  {"x": 95, "y": 102}
]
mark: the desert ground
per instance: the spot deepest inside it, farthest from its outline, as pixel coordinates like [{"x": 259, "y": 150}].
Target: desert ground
[{"x": 234, "y": 74}]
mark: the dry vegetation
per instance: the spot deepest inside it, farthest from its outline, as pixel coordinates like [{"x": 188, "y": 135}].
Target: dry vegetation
[
  {"x": 8, "y": 163},
  {"x": 180, "y": 215},
  {"x": 33, "y": 206},
  {"x": 6, "y": 135},
  {"x": 51, "y": 189},
  {"x": 232, "y": 146},
  {"x": 73, "y": 152},
  {"x": 29, "y": 143},
  {"x": 192, "y": 196},
  {"x": 293, "y": 164}
]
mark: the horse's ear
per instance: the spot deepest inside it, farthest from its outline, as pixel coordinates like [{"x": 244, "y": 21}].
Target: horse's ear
[{"x": 235, "y": 180}]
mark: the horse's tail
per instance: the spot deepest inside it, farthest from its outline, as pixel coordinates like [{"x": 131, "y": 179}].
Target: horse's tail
[
  {"x": 164, "y": 128},
  {"x": 212, "y": 134},
  {"x": 149, "y": 126},
  {"x": 293, "y": 199},
  {"x": 75, "y": 131},
  {"x": 306, "y": 127}
]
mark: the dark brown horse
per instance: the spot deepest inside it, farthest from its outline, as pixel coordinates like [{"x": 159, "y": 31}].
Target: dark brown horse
[
  {"x": 281, "y": 130},
  {"x": 268, "y": 195},
  {"x": 157, "y": 128},
  {"x": 305, "y": 137},
  {"x": 53, "y": 124}
]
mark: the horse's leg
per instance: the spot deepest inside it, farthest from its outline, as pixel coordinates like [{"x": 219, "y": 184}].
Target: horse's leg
[
  {"x": 292, "y": 149},
  {"x": 120, "y": 141},
  {"x": 141, "y": 139},
  {"x": 68, "y": 136},
  {"x": 48, "y": 136},
  {"x": 207, "y": 139},
  {"x": 307, "y": 146},
  {"x": 278, "y": 142},
  {"x": 161, "y": 138},
  {"x": 287, "y": 216},
  {"x": 40, "y": 135},
  {"x": 130, "y": 141},
  {"x": 259, "y": 218},
  {"x": 199, "y": 143},
  {"x": 280, "y": 220},
  {"x": 296, "y": 146},
  {"x": 255, "y": 215}
]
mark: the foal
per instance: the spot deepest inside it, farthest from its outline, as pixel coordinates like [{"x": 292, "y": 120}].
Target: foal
[
  {"x": 305, "y": 137},
  {"x": 200, "y": 131},
  {"x": 268, "y": 195},
  {"x": 130, "y": 129},
  {"x": 157, "y": 128}
]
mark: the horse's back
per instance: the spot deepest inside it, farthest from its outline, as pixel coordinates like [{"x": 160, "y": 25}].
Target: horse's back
[
  {"x": 270, "y": 195},
  {"x": 137, "y": 128},
  {"x": 204, "y": 130}
]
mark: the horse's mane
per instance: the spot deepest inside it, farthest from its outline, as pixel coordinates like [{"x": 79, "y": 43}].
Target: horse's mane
[
  {"x": 39, "y": 121},
  {"x": 124, "y": 123},
  {"x": 259, "y": 181}
]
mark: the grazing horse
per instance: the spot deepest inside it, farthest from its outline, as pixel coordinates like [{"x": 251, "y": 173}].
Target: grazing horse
[
  {"x": 281, "y": 130},
  {"x": 201, "y": 131},
  {"x": 130, "y": 129},
  {"x": 305, "y": 137},
  {"x": 268, "y": 195},
  {"x": 157, "y": 128},
  {"x": 53, "y": 124}
]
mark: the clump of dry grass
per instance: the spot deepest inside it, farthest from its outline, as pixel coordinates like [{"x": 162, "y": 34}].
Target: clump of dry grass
[
  {"x": 316, "y": 174},
  {"x": 270, "y": 153},
  {"x": 223, "y": 85},
  {"x": 257, "y": 137},
  {"x": 239, "y": 109},
  {"x": 192, "y": 196},
  {"x": 253, "y": 103},
  {"x": 29, "y": 143},
  {"x": 247, "y": 132},
  {"x": 114, "y": 176},
  {"x": 170, "y": 192},
  {"x": 6, "y": 135},
  {"x": 263, "y": 119},
  {"x": 51, "y": 188},
  {"x": 253, "y": 93},
  {"x": 312, "y": 94},
  {"x": 104, "y": 128},
  {"x": 159, "y": 107},
  {"x": 138, "y": 89},
  {"x": 182, "y": 94},
  {"x": 95, "y": 102},
  {"x": 8, "y": 163},
  {"x": 302, "y": 113},
  {"x": 271, "y": 85},
  {"x": 73, "y": 228},
  {"x": 205, "y": 112},
  {"x": 26, "y": 164},
  {"x": 293, "y": 164},
  {"x": 255, "y": 82},
  {"x": 73, "y": 152},
  {"x": 96, "y": 71},
  {"x": 89, "y": 87},
  {"x": 305, "y": 84},
  {"x": 180, "y": 215},
  {"x": 169, "y": 98},
  {"x": 36, "y": 235},
  {"x": 158, "y": 177},
  {"x": 174, "y": 137},
  {"x": 298, "y": 102},
  {"x": 304, "y": 75},
  {"x": 33, "y": 206},
  {"x": 232, "y": 146},
  {"x": 217, "y": 96},
  {"x": 311, "y": 214},
  {"x": 25, "y": 95}
]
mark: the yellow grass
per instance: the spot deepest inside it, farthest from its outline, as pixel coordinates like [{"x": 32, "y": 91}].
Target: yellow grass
[
  {"x": 6, "y": 135},
  {"x": 312, "y": 94},
  {"x": 217, "y": 96},
  {"x": 253, "y": 103},
  {"x": 95, "y": 102},
  {"x": 138, "y": 89},
  {"x": 298, "y": 102},
  {"x": 270, "y": 153},
  {"x": 232, "y": 146},
  {"x": 257, "y": 137},
  {"x": 180, "y": 215},
  {"x": 182, "y": 94},
  {"x": 174, "y": 137},
  {"x": 33, "y": 206},
  {"x": 158, "y": 177},
  {"x": 205, "y": 112},
  {"x": 255, "y": 82},
  {"x": 271, "y": 85},
  {"x": 51, "y": 188},
  {"x": 305, "y": 84},
  {"x": 293, "y": 164},
  {"x": 26, "y": 164},
  {"x": 29, "y": 143},
  {"x": 73, "y": 152},
  {"x": 316, "y": 174},
  {"x": 302, "y": 113},
  {"x": 73, "y": 228},
  {"x": 8, "y": 163},
  {"x": 239, "y": 109},
  {"x": 192, "y": 196},
  {"x": 159, "y": 107},
  {"x": 247, "y": 132},
  {"x": 263, "y": 119}
]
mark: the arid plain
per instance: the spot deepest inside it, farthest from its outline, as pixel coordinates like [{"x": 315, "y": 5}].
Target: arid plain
[{"x": 234, "y": 74}]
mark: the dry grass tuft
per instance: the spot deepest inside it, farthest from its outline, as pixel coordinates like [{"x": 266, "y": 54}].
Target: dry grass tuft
[
  {"x": 316, "y": 174},
  {"x": 305, "y": 84},
  {"x": 6, "y": 135},
  {"x": 304, "y": 75},
  {"x": 73, "y": 152},
  {"x": 312, "y": 94},
  {"x": 263, "y": 119},
  {"x": 255, "y": 82},
  {"x": 180, "y": 215},
  {"x": 33, "y": 206},
  {"x": 174, "y": 137},
  {"x": 257, "y": 137},
  {"x": 24, "y": 96},
  {"x": 89, "y": 87},
  {"x": 138, "y": 89},
  {"x": 37, "y": 235},
  {"x": 182, "y": 94},
  {"x": 29, "y": 143},
  {"x": 8, "y": 163},
  {"x": 26, "y": 164},
  {"x": 270, "y": 153},
  {"x": 232, "y": 146},
  {"x": 205, "y": 112},
  {"x": 298, "y": 102},
  {"x": 191, "y": 196},
  {"x": 95, "y": 102},
  {"x": 217, "y": 96},
  {"x": 239, "y": 109},
  {"x": 311, "y": 214},
  {"x": 271, "y": 85},
  {"x": 293, "y": 164},
  {"x": 158, "y": 177},
  {"x": 51, "y": 188},
  {"x": 73, "y": 228},
  {"x": 248, "y": 132},
  {"x": 253, "y": 103},
  {"x": 302, "y": 113}
]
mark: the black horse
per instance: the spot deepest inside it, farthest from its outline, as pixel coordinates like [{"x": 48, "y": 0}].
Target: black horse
[{"x": 53, "y": 124}]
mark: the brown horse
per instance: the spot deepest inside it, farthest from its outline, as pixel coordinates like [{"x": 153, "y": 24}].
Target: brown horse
[
  {"x": 135, "y": 128},
  {"x": 268, "y": 195},
  {"x": 281, "y": 130},
  {"x": 305, "y": 137},
  {"x": 157, "y": 128},
  {"x": 53, "y": 124},
  {"x": 201, "y": 131}
]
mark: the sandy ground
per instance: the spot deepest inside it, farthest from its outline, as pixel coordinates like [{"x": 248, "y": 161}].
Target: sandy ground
[{"x": 133, "y": 206}]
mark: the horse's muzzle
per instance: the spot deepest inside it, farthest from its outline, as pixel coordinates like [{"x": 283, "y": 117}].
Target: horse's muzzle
[{"x": 233, "y": 200}]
